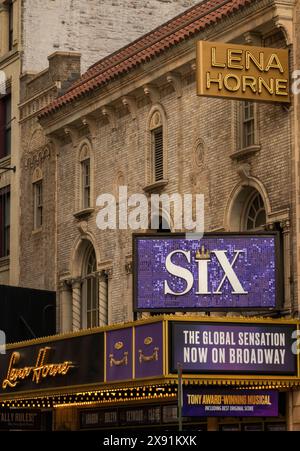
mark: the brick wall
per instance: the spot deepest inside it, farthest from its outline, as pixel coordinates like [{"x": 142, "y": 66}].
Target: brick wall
[
  {"x": 38, "y": 247},
  {"x": 96, "y": 28},
  {"x": 124, "y": 150}
]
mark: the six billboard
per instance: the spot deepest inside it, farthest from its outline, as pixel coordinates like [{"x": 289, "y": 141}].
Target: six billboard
[{"x": 225, "y": 271}]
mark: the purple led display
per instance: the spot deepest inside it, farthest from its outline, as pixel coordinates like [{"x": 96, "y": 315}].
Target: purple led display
[
  {"x": 218, "y": 272},
  {"x": 198, "y": 402},
  {"x": 233, "y": 348}
]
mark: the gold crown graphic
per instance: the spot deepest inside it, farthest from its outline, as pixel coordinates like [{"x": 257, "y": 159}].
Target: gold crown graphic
[{"x": 202, "y": 254}]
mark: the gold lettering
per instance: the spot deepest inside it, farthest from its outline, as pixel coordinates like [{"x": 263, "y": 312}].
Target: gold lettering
[
  {"x": 39, "y": 371},
  {"x": 10, "y": 378},
  {"x": 262, "y": 83},
  {"x": 250, "y": 57},
  {"x": 234, "y": 56},
  {"x": 227, "y": 85},
  {"x": 210, "y": 80},
  {"x": 213, "y": 59},
  {"x": 248, "y": 81},
  {"x": 281, "y": 84},
  {"x": 274, "y": 63}
]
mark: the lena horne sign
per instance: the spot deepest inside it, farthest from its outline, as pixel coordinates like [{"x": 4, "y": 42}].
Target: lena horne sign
[
  {"x": 41, "y": 370},
  {"x": 233, "y": 348},
  {"x": 218, "y": 272},
  {"x": 60, "y": 362},
  {"x": 242, "y": 72}
]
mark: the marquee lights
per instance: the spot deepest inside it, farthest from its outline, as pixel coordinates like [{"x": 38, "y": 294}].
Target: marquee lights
[
  {"x": 123, "y": 395},
  {"x": 97, "y": 397}
]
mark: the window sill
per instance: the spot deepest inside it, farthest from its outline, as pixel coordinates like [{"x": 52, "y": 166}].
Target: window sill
[
  {"x": 83, "y": 213},
  {"x": 10, "y": 54},
  {"x": 4, "y": 262},
  {"x": 5, "y": 161},
  {"x": 37, "y": 231},
  {"x": 156, "y": 186},
  {"x": 245, "y": 152}
]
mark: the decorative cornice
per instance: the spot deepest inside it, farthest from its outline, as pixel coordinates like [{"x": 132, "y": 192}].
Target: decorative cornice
[
  {"x": 131, "y": 104},
  {"x": 73, "y": 133},
  {"x": 110, "y": 113},
  {"x": 253, "y": 38},
  {"x": 152, "y": 92},
  {"x": 283, "y": 18},
  {"x": 193, "y": 66},
  {"x": 175, "y": 80},
  {"x": 92, "y": 124}
]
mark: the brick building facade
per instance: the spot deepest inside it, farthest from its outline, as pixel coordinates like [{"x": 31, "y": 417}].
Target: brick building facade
[
  {"x": 108, "y": 120},
  {"x": 30, "y": 30}
]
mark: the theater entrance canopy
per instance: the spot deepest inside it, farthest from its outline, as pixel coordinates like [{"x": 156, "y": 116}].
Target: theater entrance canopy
[{"x": 139, "y": 361}]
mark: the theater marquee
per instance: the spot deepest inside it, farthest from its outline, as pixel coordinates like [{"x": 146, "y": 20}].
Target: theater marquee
[
  {"x": 219, "y": 272},
  {"x": 242, "y": 72}
]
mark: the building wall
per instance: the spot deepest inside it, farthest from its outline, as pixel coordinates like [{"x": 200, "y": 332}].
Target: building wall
[
  {"x": 10, "y": 65},
  {"x": 95, "y": 29},
  {"x": 120, "y": 154},
  {"x": 38, "y": 247},
  {"x": 43, "y": 27}
]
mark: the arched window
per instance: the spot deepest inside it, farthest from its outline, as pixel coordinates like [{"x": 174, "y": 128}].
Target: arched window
[
  {"x": 255, "y": 213},
  {"x": 84, "y": 197},
  {"x": 90, "y": 291},
  {"x": 157, "y": 159}
]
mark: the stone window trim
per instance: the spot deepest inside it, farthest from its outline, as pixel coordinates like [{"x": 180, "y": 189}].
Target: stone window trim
[
  {"x": 157, "y": 120},
  {"x": 84, "y": 213},
  {"x": 5, "y": 262},
  {"x": 85, "y": 152},
  {"x": 10, "y": 25},
  {"x": 156, "y": 187},
  {"x": 5, "y": 161},
  {"x": 241, "y": 151},
  {"x": 254, "y": 209},
  {"x": 90, "y": 315}
]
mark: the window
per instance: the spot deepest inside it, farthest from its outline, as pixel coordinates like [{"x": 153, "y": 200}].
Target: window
[
  {"x": 5, "y": 126},
  {"x": 86, "y": 183},
  {"x": 38, "y": 204},
  {"x": 90, "y": 294},
  {"x": 158, "y": 157},
  {"x": 256, "y": 213},
  {"x": 10, "y": 26},
  {"x": 4, "y": 222},
  {"x": 248, "y": 124}
]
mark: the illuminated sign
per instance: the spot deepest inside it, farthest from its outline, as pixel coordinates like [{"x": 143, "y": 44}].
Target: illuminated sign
[
  {"x": 55, "y": 363},
  {"x": 235, "y": 403},
  {"x": 242, "y": 72},
  {"x": 233, "y": 348},
  {"x": 225, "y": 271},
  {"x": 41, "y": 370}
]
